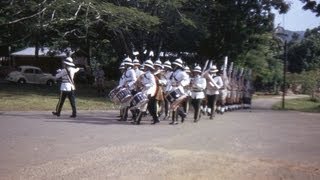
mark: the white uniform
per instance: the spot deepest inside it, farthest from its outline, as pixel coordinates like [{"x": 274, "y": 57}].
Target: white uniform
[
  {"x": 138, "y": 72},
  {"x": 67, "y": 84},
  {"x": 149, "y": 84},
  {"x": 165, "y": 81},
  {"x": 130, "y": 78},
  {"x": 225, "y": 88},
  {"x": 122, "y": 80},
  {"x": 198, "y": 85},
  {"x": 213, "y": 87},
  {"x": 178, "y": 80}
]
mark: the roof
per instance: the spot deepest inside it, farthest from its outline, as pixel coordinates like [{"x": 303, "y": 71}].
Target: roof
[
  {"x": 44, "y": 51},
  {"x": 27, "y": 66}
]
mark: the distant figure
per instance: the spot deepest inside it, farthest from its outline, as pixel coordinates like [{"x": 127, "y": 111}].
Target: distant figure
[
  {"x": 67, "y": 87},
  {"x": 99, "y": 79}
]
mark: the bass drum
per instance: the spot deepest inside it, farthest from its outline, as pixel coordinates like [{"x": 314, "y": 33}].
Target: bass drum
[
  {"x": 138, "y": 100},
  {"x": 112, "y": 95},
  {"x": 124, "y": 95},
  {"x": 174, "y": 95}
]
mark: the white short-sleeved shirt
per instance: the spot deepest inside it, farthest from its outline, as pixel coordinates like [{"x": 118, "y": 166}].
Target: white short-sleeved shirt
[{"x": 66, "y": 84}]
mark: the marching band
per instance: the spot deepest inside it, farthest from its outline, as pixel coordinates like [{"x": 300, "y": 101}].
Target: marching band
[{"x": 167, "y": 89}]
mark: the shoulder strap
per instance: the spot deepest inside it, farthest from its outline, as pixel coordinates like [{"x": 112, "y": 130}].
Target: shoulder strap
[{"x": 69, "y": 77}]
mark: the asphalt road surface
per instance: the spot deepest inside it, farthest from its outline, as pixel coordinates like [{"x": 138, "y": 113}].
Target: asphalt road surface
[{"x": 244, "y": 144}]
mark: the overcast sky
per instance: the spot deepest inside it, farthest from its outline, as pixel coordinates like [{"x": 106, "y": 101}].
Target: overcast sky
[{"x": 297, "y": 19}]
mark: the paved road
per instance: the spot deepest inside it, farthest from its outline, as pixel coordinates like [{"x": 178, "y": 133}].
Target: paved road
[{"x": 244, "y": 144}]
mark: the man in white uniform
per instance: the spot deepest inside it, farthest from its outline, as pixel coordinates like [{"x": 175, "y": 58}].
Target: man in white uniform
[
  {"x": 178, "y": 80},
  {"x": 149, "y": 88},
  {"x": 67, "y": 87},
  {"x": 198, "y": 85},
  {"x": 136, "y": 67},
  {"x": 129, "y": 81},
  {"x": 164, "y": 80},
  {"x": 214, "y": 84}
]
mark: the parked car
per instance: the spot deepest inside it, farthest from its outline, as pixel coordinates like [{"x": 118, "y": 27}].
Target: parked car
[{"x": 32, "y": 75}]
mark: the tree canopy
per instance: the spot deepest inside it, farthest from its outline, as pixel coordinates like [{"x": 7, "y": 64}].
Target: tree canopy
[{"x": 108, "y": 29}]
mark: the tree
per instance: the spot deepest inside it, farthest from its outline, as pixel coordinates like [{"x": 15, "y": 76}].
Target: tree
[
  {"x": 311, "y": 5},
  {"x": 305, "y": 55}
]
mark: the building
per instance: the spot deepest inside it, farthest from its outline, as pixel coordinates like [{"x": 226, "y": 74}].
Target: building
[{"x": 49, "y": 61}]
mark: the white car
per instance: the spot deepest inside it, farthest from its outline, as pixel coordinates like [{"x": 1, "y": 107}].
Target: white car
[{"x": 32, "y": 75}]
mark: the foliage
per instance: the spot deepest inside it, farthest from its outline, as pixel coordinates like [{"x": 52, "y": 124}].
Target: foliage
[
  {"x": 309, "y": 81},
  {"x": 105, "y": 30},
  {"x": 301, "y": 104},
  {"x": 266, "y": 66},
  {"x": 312, "y": 5},
  {"x": 305, "y": 55}
]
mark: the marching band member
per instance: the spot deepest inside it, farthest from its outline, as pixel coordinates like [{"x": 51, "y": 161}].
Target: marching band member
[
  {"x": 159, "y": 92},
  {"x": 67, "y": 87},
  {"x": 136, "y": 67},
  {"x": 129, "y": 82},
  {"x": 214, "y": 83},
  {"x": 223, "y": 93},
  {"x": 166, "y": 85},
  {"x": 121, "y": 83},
  {"x": 130, "y": 74},
  {"x": 229, "y": 88},
  {"x": 178, "y": 80},
  {"x": 187, "y": 91},
  {"x": 149, "y": 88},
  {"x": 234, "y": 87},
  {"x": 198, "y": 85}
]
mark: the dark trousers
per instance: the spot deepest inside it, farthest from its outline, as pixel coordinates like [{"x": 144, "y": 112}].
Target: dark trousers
[
  {"x": 212, "y": 101},
  {"x": 134, "y": 112},
  {"x": 185, "y": 104},
  {"x": 196, "y": 104},
  {"x": 152, "y": 108},
  {"x": 166, "y": 107},
  {"x": 72, "y": 99}
]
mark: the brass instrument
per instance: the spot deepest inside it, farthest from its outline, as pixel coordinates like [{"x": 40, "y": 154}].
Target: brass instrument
[
  {"x": 138, "y": 84},
  {"x": 210, "y": 80}
]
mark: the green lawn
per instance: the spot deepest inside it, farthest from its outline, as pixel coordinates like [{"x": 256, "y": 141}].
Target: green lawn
[
  {"x": 301, "y": 104},
  {"x": 14, "y": 97}
]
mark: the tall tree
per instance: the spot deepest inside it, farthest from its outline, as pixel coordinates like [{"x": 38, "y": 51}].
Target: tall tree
[{"x": 312, "y": 5}]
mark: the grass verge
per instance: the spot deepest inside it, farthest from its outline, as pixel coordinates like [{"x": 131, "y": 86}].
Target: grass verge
[
  {"x": 301, "y": 104},
  {"x": 14, "y": 97}
]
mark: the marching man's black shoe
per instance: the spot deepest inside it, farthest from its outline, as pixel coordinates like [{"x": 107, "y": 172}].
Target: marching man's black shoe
[
  {"x": 56, "y": 114},
  {"x": 155, "y": 122},
  {"x": 73, "y": 116}
]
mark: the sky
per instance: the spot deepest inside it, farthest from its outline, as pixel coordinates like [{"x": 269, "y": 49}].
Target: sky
[{"x": 297, "y": 19}]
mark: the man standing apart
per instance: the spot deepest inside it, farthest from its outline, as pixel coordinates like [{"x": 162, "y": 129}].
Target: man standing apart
[{"x": 67, "y": 87}]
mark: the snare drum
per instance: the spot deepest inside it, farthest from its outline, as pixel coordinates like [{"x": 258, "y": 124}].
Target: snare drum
[
  {"x": 174, "y": 95},
  {"x": 124, "y": 95},
  {"x": 138, "y": 100},
  {"x": 112, "y": 95}
]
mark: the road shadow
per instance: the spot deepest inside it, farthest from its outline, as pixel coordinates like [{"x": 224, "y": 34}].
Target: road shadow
[{"x": 96, "y": 120}]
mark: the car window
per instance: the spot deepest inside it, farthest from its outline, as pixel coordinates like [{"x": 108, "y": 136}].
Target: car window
[
  {"x": 37, "y": 71},
  {"x": 28, "y": 71},
  {"x": 19, "y": 69}
]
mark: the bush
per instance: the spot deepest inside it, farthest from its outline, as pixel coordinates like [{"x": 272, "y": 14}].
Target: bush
[{"x": 307, "y": 82}]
